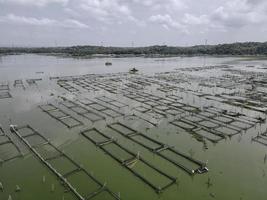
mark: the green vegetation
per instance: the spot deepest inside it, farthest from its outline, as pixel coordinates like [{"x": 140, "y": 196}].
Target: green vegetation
[{"x": 247, "y": 48}]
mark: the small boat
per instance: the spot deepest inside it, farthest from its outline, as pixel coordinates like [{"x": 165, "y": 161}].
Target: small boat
[
  {"x": 108, "y": 63},
  {"x": 133, "y": 70}
]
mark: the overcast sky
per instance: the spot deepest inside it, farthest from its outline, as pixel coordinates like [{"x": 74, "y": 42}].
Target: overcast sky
[{"x": 131, "y": 22}]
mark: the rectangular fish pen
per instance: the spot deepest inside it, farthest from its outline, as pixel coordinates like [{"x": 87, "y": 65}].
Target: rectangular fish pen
[
  {"x": 64, "y": 84},
  {"x": 4, "y": 86},
  {"x": 63, "y": 166},
  {"x": 181, "y": 160},
  {"x": 85, "y": 85},
  {"x": 131, "y": 161},
  {"x": 60, "y": 115},
  {"x": 161, "y": 103},
  {"x": 19, "y": 83},
  {"x": 160, "y": 111},
  {"x": 212, "y": 124},
  {"x": 83, "y": 111},
  {"x": 104, "y": 85},
  {"x": 5, "y": 95},
  {"x": 201, "y": 131},
  {"x": 230, "y": 116},
  {"x": 247, "y": 104},
  {"x": 110, "y": 101},
  {"x": 33, "y": 81},
  {"x": 261, "y": 139},
  {"x": 9, "y": 150},
  {"x": 103, "y": 109}
]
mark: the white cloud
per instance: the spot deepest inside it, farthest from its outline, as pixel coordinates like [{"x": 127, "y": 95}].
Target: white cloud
[
  {"x": 149, "y": 19},
  {"x": 72, "y": 23},
  {"x": 167, "y": 22},
  {"x": 106, "y": 10},
  {"x": 22, "y": 20},
  {"x": 166, "y": 5},
  {"x": 34, "y": 2},
  {"x": 190, "y": 19},
  {"x": 239, "y": 13}
]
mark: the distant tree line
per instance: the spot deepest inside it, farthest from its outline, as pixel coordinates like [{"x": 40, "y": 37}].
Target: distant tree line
[{"x": 246, "y": 48}]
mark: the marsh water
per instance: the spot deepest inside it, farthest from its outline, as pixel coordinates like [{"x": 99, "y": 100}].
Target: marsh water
[{"x": 237, "y": 166}]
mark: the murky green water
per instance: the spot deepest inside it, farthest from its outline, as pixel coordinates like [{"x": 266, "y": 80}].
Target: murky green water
[{"x": 236, "y": 165}]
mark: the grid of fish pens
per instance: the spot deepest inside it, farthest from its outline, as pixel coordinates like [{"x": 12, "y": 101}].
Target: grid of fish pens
[
  {"x": 64, "y": 84},
  {"x": 150, "y": 112},
  {"x": 85, "y": 85},
  {"x": 101, "y": 108},
  {"x": 159, "y": 112},
  {"x": 215, "y": 125},
  {"x": 106, "y": 85},
  {"x": 95, "y": 85},
  {"x": 61, "y": 115},
  {"x": 9, "y": 150},
  {"x": 179, "y": 159},
  {"x": 83, "y": 111},
  {"x": 157, "y": 179},
  {"x": 161, "y": 108},
  {"x": 235, "y": 119},
  {"x": 165, "y": 104},
  {"x": 111, "y": 101},
  {"x": 238, "y": 101},
  {"x": 63, "y": 166}
]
